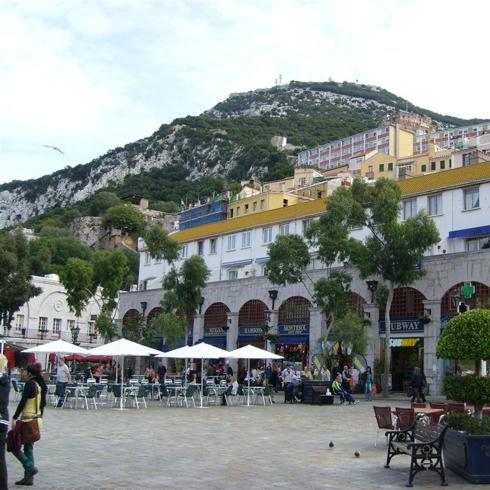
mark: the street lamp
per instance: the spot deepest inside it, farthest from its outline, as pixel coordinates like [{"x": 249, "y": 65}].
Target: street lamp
[
  {"x": 372, "y": 286},
  {"x": 74, "y": 334}
]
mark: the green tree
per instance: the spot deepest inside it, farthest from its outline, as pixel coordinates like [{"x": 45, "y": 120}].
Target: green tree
[
  {"x": 351, "y": 331},
  {"x": 160, "y": 245},
  {"x": 106, "y": 327},
  {"x": 183, "y": 289},
  {"x": 390, "y": 250},
  {"x": 15, "y": 281},
  {"x": 77, "y": 278},
  {"x": 165, "y": 206},
  {"x": 101, "y": 201},
  {"x": 166, "y": 325},
  {"x": 125, "y": 217}
]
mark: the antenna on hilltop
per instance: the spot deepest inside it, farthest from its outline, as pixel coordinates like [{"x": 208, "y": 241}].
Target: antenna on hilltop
[{"x": 280, "y": 79}]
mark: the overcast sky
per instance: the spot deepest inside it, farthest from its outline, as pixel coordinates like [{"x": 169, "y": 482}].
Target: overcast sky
[{"x": 87, "y": 76}]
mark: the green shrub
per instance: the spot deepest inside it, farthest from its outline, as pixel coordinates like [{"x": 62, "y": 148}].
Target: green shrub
[
  {"x": 468, "y": 388},
  {"x": 467, "y": 423}
]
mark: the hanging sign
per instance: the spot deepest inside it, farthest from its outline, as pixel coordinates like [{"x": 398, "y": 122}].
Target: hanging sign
[{"x": 468, "y": 290}]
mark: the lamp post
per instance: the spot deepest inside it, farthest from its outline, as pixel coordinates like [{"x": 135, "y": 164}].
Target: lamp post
[
  {"x": 372, "y": 286},
  {"x": 273, "y": 296},
  {"x": 75, "y": 331}
]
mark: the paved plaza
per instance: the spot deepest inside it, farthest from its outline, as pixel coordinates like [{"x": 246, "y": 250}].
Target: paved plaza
[{"x": 279, "y": 446}]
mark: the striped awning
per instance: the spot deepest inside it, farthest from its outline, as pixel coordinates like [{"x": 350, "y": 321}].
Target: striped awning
[{"x": 237, "y": 263}]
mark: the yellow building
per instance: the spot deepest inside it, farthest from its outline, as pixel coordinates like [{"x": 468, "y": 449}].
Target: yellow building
[
  {"x": 433, "y": 160},
  {"x": 373, "y": 165}
]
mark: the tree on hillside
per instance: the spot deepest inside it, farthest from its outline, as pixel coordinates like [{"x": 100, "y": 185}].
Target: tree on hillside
[
  {"x": 100, "y": 202},
  {"x": 183, "y": 288},
  {"x": 389, "y": 250},
  {"x": 15, "y": 281},
  {"x": 125, "y": 217}
]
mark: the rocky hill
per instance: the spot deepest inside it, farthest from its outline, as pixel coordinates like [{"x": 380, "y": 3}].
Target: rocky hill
[{"x": 195, "y": 156}]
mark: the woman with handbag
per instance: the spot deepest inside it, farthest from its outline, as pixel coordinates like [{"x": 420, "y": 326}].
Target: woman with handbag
[
  {"x": 30, "y": 412},
  {"x": 4, "y": 419}
]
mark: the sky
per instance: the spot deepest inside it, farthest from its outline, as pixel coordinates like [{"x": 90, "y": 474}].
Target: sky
[{"x": 87, "y": 76}]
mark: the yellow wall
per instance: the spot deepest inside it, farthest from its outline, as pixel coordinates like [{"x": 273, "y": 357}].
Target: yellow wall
[
  {"x": 401, "y": 142},
  {"x": 426, "y": 163},
  {"x": 379, "y": 163},
  {"x": 260, "y": 202}
]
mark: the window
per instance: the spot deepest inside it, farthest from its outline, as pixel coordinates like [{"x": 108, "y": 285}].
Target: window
[
  {"x": 285, "y": 202},
  {"x": 442, "y": 164},
  {"x": 56, "y": 325},
  {"x": 70, "y": 325},
  {"x": 471, "y": 198},
  {"x": 246, "y": 209},
  {"x": 432, "y": 165},
  {"x": 147, "y": 258},
  {"x": 212, "y": 246},
  {"x": 262, "y": 204},
  {"x": 231, "y": 242},
  {"x": 91, "y": 327},
  {"x": 284, "y": 229},
  {"x": 231, "y": 213},
  {"x": 466, "y": 159},
  {"x": 254, "y": 206},
  {"x": 238, "y": 211},
  {"x": 409, "y": 208},
  {"x": 232, "y": 275},
  {"x": 200, "y": 248},
  {"x": 43, "y": 323},
  {"x": 423, "y": 168},
  {"x": 246, "y": 239},
  {"x": 306, "y": 225},
  {"x": 184, "y": 251},
  {"x": 476, "y": 244},
  {"x": 19, "y": 323},
  {"x": 267, "y": 235},
  {"x": 435, "y": 205},
  {"x": 450, "y": 163},
  {"x": 381, "y": 167}
]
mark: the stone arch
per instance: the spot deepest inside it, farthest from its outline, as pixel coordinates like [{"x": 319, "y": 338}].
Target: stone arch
[
  {"x": 154, "y": 312},
  {"x": 253, "y": 312},
  {"x": 216, "y": 315},
  {"x": 295, "y": 309},
  {"x": 357, "y": 303},
  {"x": 481, "y": 298},
  {"x": 407, "y": 303},
  {"x": 130, "y": 322}
]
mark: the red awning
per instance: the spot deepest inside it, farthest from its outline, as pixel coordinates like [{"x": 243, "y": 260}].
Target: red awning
[{"x": 81, "y": 358}]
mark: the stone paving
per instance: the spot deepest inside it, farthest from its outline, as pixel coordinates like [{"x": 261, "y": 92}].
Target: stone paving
[{"x": 279, "y": 446}]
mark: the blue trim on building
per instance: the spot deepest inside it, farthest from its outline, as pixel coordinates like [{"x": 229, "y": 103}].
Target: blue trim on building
[
  {"x": 470, "y": 232},
  {"x": 237, "y": 263}
]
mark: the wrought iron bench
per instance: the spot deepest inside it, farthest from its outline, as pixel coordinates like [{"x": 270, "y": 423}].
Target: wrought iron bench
[{"x": 423, "y": 442}]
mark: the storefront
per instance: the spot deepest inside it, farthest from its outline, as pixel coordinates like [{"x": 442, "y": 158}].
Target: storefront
[
  {"x": 407, "y": 349},
  {"x": 215, "y": 335}
]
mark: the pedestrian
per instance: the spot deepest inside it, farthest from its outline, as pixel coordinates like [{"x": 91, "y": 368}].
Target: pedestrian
[
  {"x": 368, "y": 384},
  {"x": 344, "y": 395},
  {"x": 417, "y": 383},
  {"x": 346, "y": 377},
  {"x": 29, "y": 409},
  {"x": 63, "y": 377},
  {"x": 325, "y": 373},
  {"x": 4, "y": 419}
]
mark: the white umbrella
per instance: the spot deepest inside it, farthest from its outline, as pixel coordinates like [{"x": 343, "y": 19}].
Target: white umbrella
[
  {"x": 205, "y": 351},
  {"x": 122, "y": 348},
  {"x": 58, "y": 346},
  {"x": 180, "y": 353},
  {"x": 251, "y": 352}
]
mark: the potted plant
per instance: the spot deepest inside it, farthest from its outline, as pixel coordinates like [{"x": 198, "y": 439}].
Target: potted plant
[{"x": 467, "y": 444}]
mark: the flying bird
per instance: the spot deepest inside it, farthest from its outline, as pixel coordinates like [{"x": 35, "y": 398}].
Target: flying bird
[{"x": 54, "y": 148}]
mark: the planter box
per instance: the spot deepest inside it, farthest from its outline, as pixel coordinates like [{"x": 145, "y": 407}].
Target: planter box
[{"x": 468, "y": 456}]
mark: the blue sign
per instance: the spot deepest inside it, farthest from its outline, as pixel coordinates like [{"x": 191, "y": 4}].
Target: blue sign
[
  {"x": 403, "y": 326},
  {"x": 251, "y": 330},
  {"x": 214, "y": 331},
  {"x": 294, "y": 329}
]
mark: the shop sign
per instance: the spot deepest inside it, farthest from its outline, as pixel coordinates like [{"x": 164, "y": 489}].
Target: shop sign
[
  {"x": 252, "y": 330},
  {"x": 402, "y": 326},
  {"x": 404, "y": 342},
  {"x": 295, "y": 329},
  {"x": 214, "y": 331}
]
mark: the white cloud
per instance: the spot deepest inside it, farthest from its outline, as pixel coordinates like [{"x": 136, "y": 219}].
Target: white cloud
[{"x": 91, "y": 75}]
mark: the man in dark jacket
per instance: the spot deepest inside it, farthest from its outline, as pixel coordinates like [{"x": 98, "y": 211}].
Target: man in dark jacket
[
  {"x": 418, "y": 383},
  {"x": 4, "y": 419}
]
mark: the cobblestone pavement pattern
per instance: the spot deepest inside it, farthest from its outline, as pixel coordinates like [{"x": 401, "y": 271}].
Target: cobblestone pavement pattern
[{"x": 280, "y": 446}]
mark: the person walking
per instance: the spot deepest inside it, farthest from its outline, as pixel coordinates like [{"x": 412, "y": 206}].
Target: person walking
[
  {"x": 4, "y": 419},
  {"x": 29, "y": 409},
  {"x": 63, "y": 377},
  {"x": 368, "y": 384},
  {"x": 417, "y": 383}
]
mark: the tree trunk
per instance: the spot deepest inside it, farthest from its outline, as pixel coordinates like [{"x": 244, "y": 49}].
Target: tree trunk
[{"x": 389, "y": 300}]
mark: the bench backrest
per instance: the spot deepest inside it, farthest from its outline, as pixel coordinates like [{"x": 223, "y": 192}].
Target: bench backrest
[
  {"x": 406, "y": 418},
  {"x": 425, "y": 432}
]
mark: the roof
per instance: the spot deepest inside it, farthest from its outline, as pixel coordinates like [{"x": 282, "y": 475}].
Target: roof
[
  {"x": 309, "y": 208},
  {"x": 447, "y": 178},
  {"x": 436, "y": 181}
]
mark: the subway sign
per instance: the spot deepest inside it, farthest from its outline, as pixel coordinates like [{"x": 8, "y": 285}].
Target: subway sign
[
  {"x": 402, "y": 326},
  {"x": 295, "y": 329}
]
